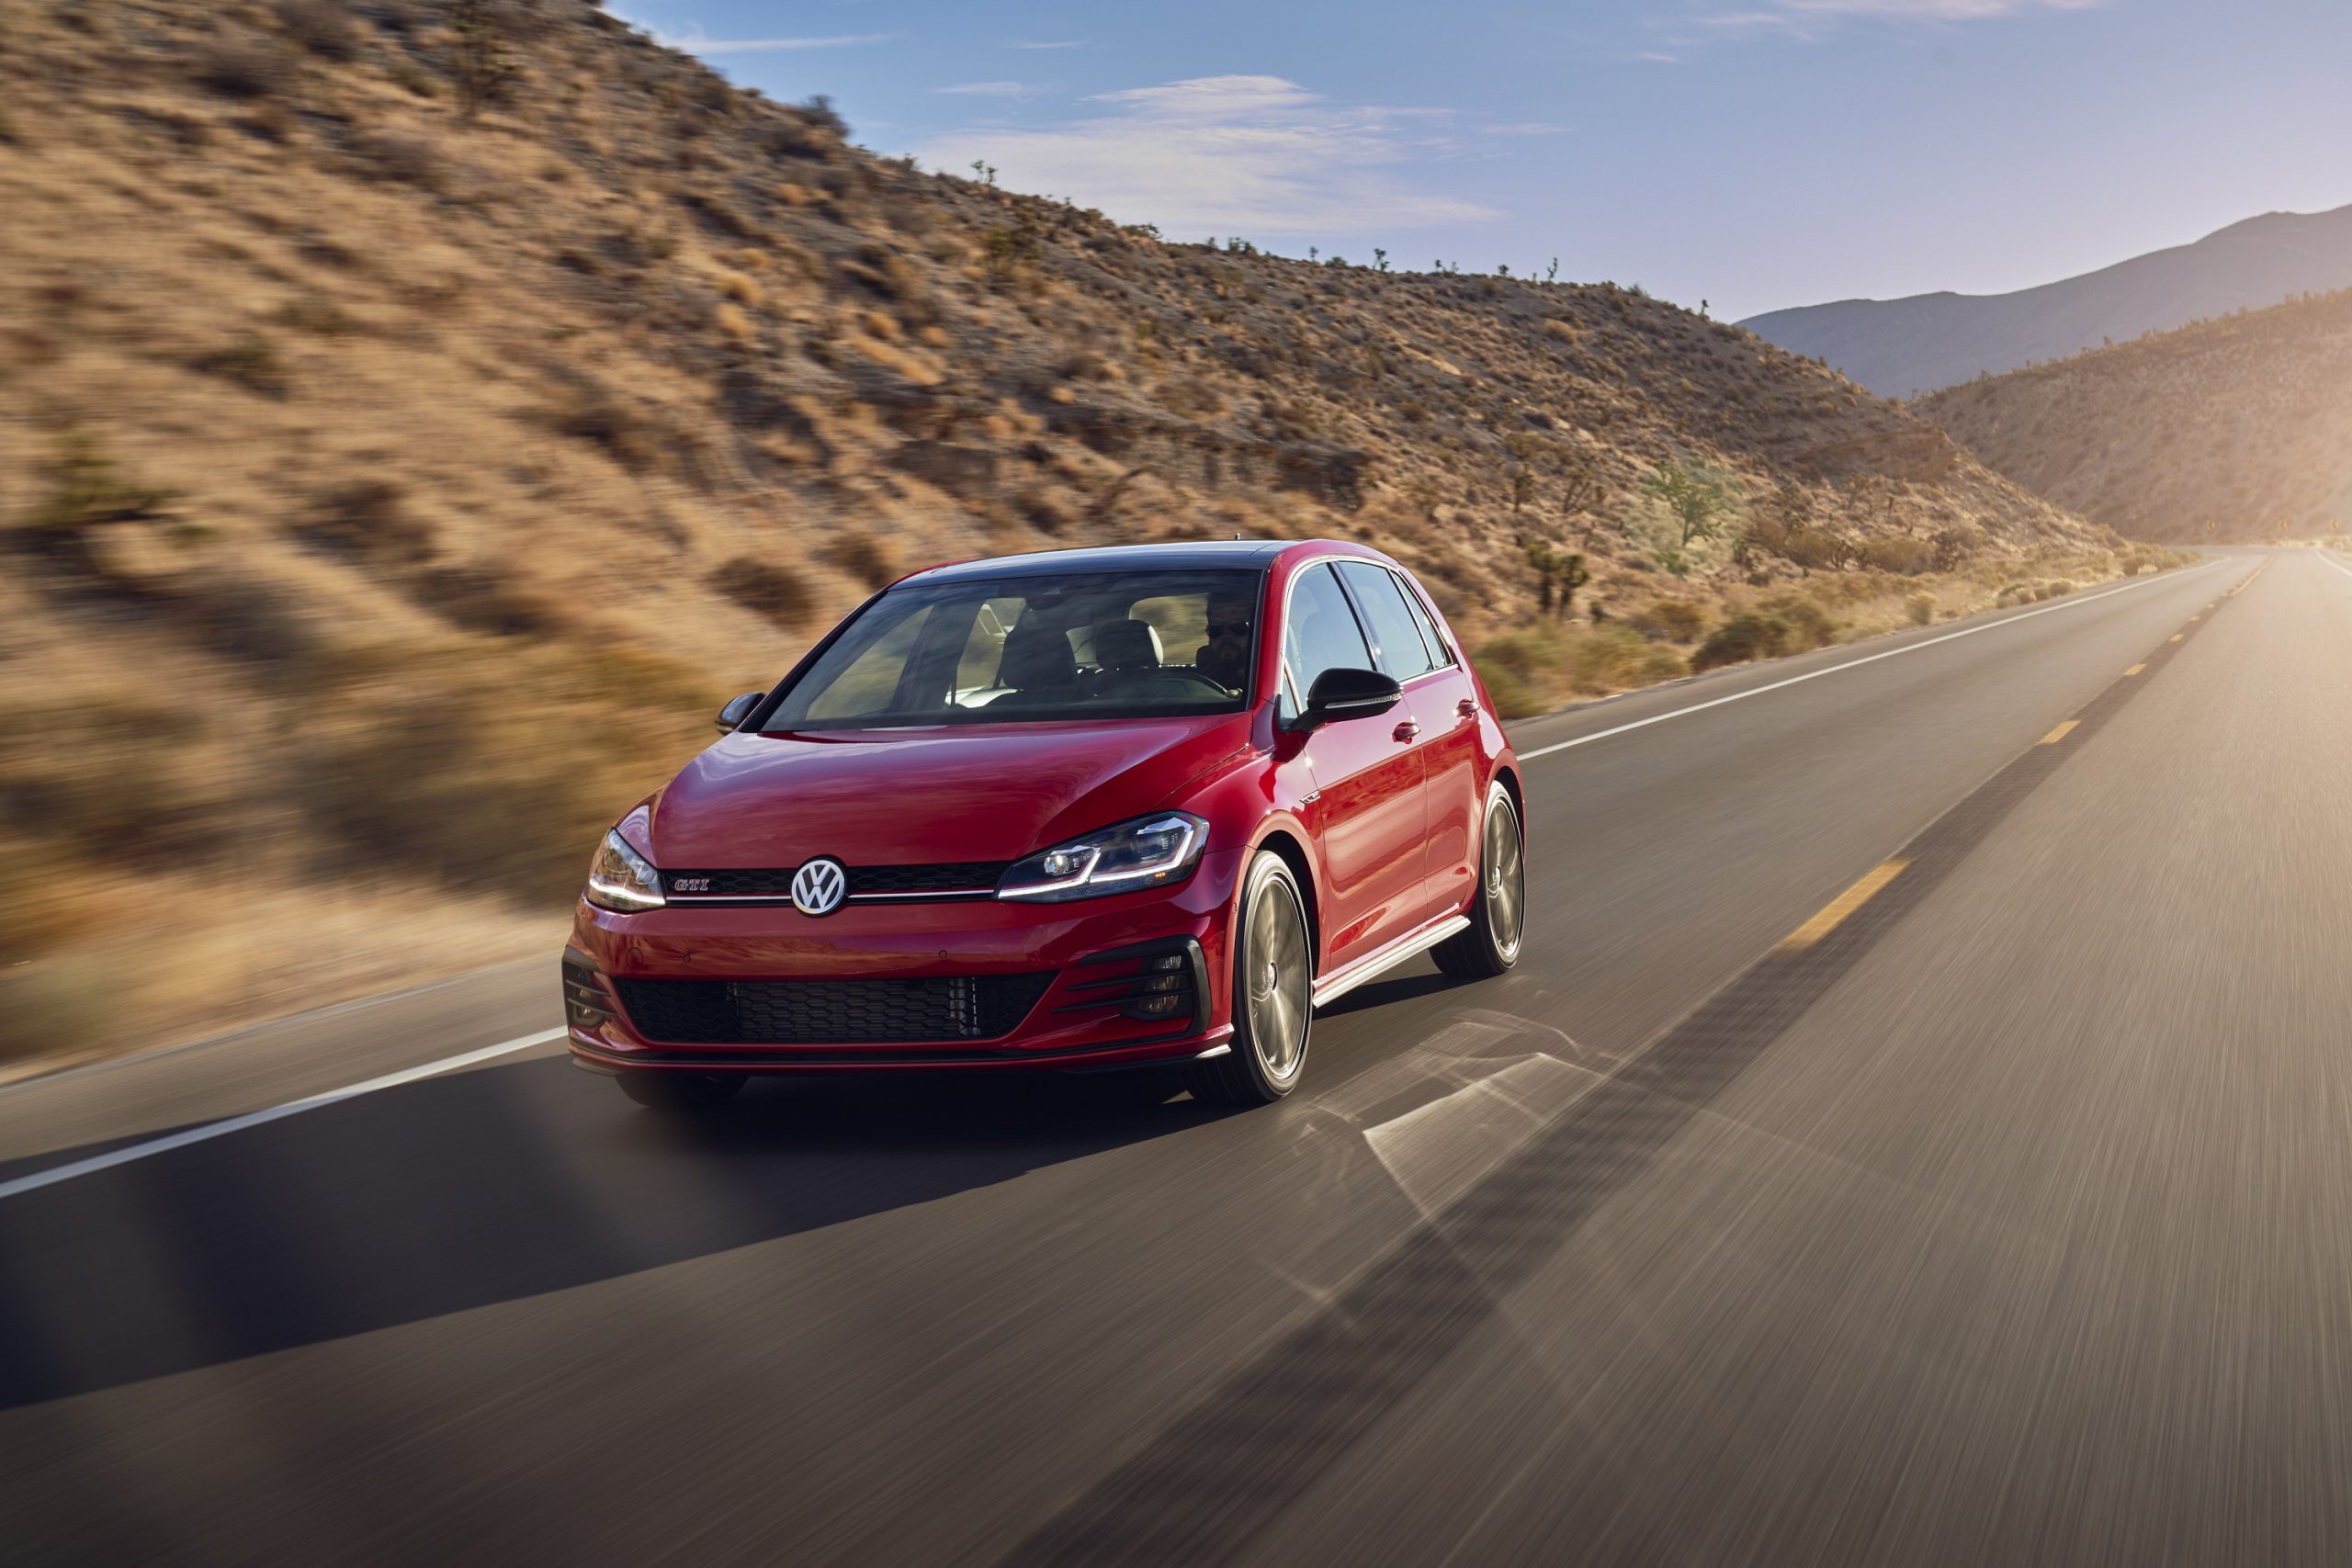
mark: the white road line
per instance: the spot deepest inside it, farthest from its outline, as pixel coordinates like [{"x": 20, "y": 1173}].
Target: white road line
[
  {"x": 1853, "y": 664},
  {"x": 2330, "y": 559},
  {"x": 106, "y": 1161}
]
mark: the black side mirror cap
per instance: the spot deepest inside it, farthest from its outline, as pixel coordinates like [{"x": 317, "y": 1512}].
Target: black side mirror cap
[
  {"x": 732, "y": 715},
  {"x": 1349, "y": 693}
]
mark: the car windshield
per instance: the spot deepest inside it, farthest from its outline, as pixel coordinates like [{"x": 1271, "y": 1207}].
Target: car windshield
[{"x": 1136, "y": 644}]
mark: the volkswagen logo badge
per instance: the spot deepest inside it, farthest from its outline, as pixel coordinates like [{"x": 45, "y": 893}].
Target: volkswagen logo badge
[{"x": 819, "y": 886}]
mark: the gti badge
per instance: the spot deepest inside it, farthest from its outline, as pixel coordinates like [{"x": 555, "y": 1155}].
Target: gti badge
[{"x": 818, "y": 887}]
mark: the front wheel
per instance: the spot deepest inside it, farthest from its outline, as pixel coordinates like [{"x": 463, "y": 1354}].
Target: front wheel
[
  {"x": 1274, "y": 992},
  {"x": 1498, "y": 911}
]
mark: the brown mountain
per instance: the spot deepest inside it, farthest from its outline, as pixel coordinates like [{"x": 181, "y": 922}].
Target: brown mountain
[
  {"x": 416, "y": 415},
  {"x": 2244, "y": 423},
  {"x": 1928, "y": 341}
]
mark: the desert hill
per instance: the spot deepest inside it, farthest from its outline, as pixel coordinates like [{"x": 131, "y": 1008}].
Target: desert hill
[
  {"x": 2244, "y": 423},
  {"x": 1902, "y": 347},
  {"x": 417, "y": 415}
]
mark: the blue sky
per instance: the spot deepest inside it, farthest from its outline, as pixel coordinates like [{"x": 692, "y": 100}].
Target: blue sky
[{"x": 1754, "y": 153}]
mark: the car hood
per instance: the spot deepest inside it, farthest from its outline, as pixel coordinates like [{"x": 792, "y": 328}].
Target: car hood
[{"x": 916, "y": 796}]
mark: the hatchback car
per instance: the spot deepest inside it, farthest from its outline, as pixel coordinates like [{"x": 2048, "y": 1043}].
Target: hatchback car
[{"x": 1077, "y": 810}]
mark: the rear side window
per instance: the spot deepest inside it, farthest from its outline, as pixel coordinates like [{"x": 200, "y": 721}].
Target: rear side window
[
  {"x": 1322, "y": 633},
  {"x": 1398, "y": 642},
  {"x": 1439, "y": 655}
]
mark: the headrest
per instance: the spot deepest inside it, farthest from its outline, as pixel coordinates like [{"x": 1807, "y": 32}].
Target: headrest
[
  {"x": 1035, "y": 658},
  {"x": 1126, "y": 645}
]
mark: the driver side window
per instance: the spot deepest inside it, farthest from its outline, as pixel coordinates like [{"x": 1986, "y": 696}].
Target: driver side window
[{"x": 1320, "y": 634}]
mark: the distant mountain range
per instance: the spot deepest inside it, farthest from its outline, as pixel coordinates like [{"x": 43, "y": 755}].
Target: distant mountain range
[{"x": 1900, "y": 347}]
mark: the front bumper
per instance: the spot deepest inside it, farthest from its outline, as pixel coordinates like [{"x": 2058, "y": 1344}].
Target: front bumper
[{"x": 1124, "y": 980}]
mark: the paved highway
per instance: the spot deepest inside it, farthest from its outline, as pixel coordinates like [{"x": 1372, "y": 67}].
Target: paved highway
[{"x": 1920, "y": 1132}]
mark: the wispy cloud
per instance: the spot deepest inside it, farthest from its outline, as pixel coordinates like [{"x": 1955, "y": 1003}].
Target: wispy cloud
[
  {"x": 1047, "y": 43},
  {"x": 987, "y": 90},
  {"x": 1936, "y": 10},
  {"x": 1658, "y": 59},
  {"x": 1229, "y": 154},
  {"x": 1529, "y": 127}
]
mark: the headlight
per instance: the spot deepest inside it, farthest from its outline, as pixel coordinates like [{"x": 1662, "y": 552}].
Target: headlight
[
  {"x": 1144, "y": 852},
  {"x": 620, "y": 879}
]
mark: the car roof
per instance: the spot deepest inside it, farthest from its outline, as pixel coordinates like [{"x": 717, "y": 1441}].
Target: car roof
[{"x": 1178, "y": 555}]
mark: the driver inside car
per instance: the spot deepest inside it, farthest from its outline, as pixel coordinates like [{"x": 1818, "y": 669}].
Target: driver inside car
[{"x": 1225, "y": 657}]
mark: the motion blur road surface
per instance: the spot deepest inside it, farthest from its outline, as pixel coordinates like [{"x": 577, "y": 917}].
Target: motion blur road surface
[{"x": 1920, "y": 1132}]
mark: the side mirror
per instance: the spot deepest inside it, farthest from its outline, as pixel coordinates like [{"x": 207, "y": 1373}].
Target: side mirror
[
  {"x": 1349, "y": 693},
  {"x": 738, "y": 710}
]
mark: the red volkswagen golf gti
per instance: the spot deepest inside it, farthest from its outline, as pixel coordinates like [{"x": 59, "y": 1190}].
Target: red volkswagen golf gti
[{"x": 1077, "y": 810}]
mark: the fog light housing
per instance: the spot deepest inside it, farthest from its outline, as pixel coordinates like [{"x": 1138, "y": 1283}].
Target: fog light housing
[{"x": 587, "y": 1005}]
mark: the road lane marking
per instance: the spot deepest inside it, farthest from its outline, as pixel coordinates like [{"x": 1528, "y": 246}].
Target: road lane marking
[
  {"x": 2198, "y": 618},
  {"x": 1833, "y": 913},
  {"x": 2178, "y": 635},
  {"x": 113, "y": 1158},
  {"x": 2058, "y": 734},
  {"x": 1849, "y": 664},
  {"x": 2135, "y": 670}
]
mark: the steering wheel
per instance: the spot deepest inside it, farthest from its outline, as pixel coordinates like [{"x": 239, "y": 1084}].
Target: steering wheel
[{"x": 1192, "y": 679}]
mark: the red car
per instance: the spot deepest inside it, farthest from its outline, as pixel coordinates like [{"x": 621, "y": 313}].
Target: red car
[{"x": 1076, "y": 810}]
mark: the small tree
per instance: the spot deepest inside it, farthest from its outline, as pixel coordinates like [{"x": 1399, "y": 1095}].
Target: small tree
[
  {"x": 1552, "y": 272},
  {"x": 1686, "y": 511},
  {"x": 1379, "y": 259},
  {"x": 1522, "y": 489},
  {"x": 1558, "y": 575},
  {"x": 483, "y": 69}
]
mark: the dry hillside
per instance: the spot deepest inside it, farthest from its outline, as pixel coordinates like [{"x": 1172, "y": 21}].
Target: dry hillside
[
  {"x": 415, "y": 415},
  {"x": 2244, "y": 423}
]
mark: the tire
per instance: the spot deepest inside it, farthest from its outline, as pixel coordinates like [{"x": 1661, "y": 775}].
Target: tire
[
  {"x": 1498, "y": 908},
  {"x": 1274, "y": 992},
  {"x": 681, "y": 1091}
]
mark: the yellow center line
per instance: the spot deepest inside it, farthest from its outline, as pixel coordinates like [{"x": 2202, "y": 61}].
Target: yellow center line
[
  {"x": 2196, "y": 618},
  {"x": 1833, "y": 913},
  {"x": 2135, "y": 670},
  {"x": 2176, "y": 637},
  {"x": 2058, "y": 734}
]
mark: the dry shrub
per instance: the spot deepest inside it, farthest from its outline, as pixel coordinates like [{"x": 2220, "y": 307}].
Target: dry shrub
[
  {"x": 731, "y": 320},
  {"x": 490, "y": 599},
  {"x": 247, "y": 359},
  {"x": 1670, "y": 620},
  {"x": 773, "y": 591},
  {"x": 366, "y": 521},
  {"x": 591, "y": 413},
  {"x": 864, "y": 558},
  {"x": 323, "y": 27},
  {"x": 1903, "y": 557},
  {"x": 1741, "y": 639},
  {"x": 407, "y": 160},
  {"x": 1921, "y": 608},
  {"x": 244, "y": 67}
]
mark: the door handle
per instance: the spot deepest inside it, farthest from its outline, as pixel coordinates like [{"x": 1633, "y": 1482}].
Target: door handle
[
  {"x": 1407, "y": 730},
  {"x": 1467, "y": 707}
]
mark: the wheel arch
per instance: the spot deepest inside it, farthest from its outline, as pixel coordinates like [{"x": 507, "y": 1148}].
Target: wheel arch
[{"x": 1281, "y": 841}]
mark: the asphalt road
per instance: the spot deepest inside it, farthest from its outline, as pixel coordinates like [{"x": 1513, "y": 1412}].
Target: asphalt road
[{"x": 1920, "y": 1132}]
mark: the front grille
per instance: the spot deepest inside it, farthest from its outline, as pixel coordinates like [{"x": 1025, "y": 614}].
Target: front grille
[
  {"x": 954, "y": 876},
  {"x": 829, "y": 1012}
]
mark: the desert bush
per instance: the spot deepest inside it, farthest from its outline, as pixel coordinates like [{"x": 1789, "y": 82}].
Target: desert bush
[
  {"x": 774, "y": 591},
  {"x": 407, "y": 160},
  {"x": 244, "y": 67},
  {"x": 1903, "y": 557},
  {"x": 56, "y": 1005},
  {"x": 1809, "y": 624},
  {"x": 365, "y": 520},
  {"x": 323, "y": 27},
  {"x": 489, "y": 599},
  {"x": 864, "y": 558},
  {"x": 1670, "y": 620},
  {"x": 1743, "y": 637},
  {"x": 2057, "y": 588},
  {"x": 590, "y": 413},
  {"x": 1921, "y": 608},
  {"x": 87, "y": 491},
  {"x": 247, "y": 359}
]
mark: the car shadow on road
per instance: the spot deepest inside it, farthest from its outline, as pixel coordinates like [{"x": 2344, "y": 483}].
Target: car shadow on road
[{"x": 488, "y": 1186}]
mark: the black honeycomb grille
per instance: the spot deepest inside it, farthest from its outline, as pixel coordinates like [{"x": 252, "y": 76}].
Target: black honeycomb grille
[
  {"x": 954, "y": 876},
  {"x": 829, "y": 1012}
]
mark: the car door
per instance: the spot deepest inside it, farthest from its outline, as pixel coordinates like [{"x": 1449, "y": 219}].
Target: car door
[
  {"x": 1445, "y": 727},
  {"x": 1366, "y": 815}
]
